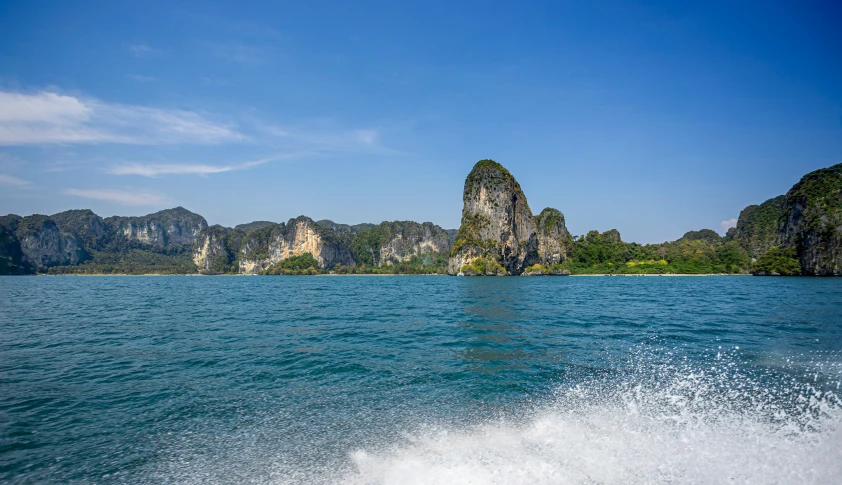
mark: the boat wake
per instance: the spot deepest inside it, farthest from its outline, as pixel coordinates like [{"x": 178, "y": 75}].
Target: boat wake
[
  {"x": 655, "y": 419},
  {"x": 667, "y": 423}
]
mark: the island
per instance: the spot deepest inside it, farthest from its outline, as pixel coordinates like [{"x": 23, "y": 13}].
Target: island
[{"x": 798, "y": 233}]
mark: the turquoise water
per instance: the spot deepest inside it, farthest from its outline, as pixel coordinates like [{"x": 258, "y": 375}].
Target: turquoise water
[{"x": 420, "y": 380}]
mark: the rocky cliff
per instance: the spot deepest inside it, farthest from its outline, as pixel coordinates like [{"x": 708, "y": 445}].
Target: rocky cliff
[
  {"x": 497, "y": 225},
  {"x": 215, "y": 250},
  {"x": 265, "y": 247},
  {"x": 758, "y": 226},
  {"x": 44, "y": 245},
  {"x": 812, "y": 222},
  {"x": 396, "y": 242},
  {"x": 164, "y": 228},
  {"x": 554, "y": 241},
  {"x": 12, "y": 259}
]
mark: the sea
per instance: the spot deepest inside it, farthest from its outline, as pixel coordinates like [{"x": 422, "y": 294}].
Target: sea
[{"x": 420, "y": 380}]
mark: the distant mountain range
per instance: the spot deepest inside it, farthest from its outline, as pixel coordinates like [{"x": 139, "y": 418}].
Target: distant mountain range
[{"x": 796, "y": 233}]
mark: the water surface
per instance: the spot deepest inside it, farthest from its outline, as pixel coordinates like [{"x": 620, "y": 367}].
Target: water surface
[{"x": 420, "y": 380}]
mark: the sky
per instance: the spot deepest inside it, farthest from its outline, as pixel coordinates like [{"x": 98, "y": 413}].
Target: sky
[{"x": 654, "y": 118}]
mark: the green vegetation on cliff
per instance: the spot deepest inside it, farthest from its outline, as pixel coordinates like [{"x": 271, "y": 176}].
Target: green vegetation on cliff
[
  {"x": 304, "y": 264},
  {"x": 758, "y": 226},
  {"x": 483, "y": 267},
  {"x": 777, "y": 261}
]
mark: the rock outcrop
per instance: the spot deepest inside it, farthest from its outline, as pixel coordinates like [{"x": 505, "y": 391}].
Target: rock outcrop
[
  {"x": 215, "y": 250},
  {"x": 265, "y": 247},
  {"x": 758, "y": 227},
  {"x": 12, "y": 259},
  {"x": 406, "y": 239},
  {"x": 43, "y": 244},
  {"x": 497, "y": 223},
  {"x": 812, "y": 222},
  {"x": 164, "y": 228},
  {"x": 554, "y": 241}
]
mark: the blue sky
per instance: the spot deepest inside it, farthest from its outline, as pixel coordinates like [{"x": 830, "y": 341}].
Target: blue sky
[{"x": 653, "y": 118}]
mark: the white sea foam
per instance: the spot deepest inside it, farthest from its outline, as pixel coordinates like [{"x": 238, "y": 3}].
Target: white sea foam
[
  {"x": 649, "y": 422},
  {"x": 667, "y": 424}
]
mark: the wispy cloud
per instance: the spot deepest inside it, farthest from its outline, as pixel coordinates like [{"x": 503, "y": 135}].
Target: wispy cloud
[
  {"x": 52, "y": 118},
  {"x": 214, "y": 81},
  {"x": 118, "y": 196},
  {"x": 732, "y": 222},
  {"x": 10, "y": 180},
  {"x": 141, "y": 79},
  {"x": 240, "y": 52},
  {"x": 328, "y": 140},
  {"x": 141, "y": 49},
  {"x": 154, "y": 170}
]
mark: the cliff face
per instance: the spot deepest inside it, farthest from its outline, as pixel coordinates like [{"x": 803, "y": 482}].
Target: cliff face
[
  {"x": 554, "y": 241},
  {"x": 265, "y": 247},
  {"x": 757, "y": 227},
  {"x": 813, "y": 221},
  {"x": 12, "y": 260},
  {"x": 215, "y": 250},
  {"x": 44, "y": 245},
  {"x": 496, "y": 224},
  {"x": 167, "y": 227},
  {"x": 406, "y": 239}
]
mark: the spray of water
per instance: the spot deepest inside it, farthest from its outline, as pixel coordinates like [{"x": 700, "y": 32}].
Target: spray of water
[{"x": 672, "y": 422}]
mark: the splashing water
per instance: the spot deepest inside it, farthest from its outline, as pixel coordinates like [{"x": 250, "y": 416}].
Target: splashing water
[{"x": 668, "y": 423}]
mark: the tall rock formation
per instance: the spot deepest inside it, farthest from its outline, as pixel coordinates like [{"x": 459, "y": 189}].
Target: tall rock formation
[
  {"x": 554, "y": 241},
  {"x": 12, "y": 259},
  {"x": 44, "y": 245},
  {"x": 812, "y": 221},
  {"x": 758, "y": 226},
  {"x": 497, "y": 223},
  {"x": 164, "y": 228},
  {"x": 407, "y": 239},
  {"x": 215, "y": 250},
  {"x": 399, "y": 241},
  {"x": 265, "y": 247}
]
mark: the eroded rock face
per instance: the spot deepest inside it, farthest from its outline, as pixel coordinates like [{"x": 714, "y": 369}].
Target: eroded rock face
[
  {"x": 407, "y": 239},
  {"x": 554, "y": 241},
  {"x": 44, "y": 245},
  {"x": 216, "y": 248},
  {"x": 813, "y": 221},
  {"x": 167, "y": 227},
  {"x": 267, "y": 246},
  {"x": 496, "y": 222},
  {"x": 758, "y": 227}
]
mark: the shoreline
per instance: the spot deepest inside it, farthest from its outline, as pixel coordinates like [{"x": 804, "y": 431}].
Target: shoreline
[{"x": 387, "y": 275}]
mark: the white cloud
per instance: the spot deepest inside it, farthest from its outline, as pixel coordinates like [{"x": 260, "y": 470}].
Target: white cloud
[
  {"x": 732, "y": 222},
  {"x": 153, "y": 170},
  {"x": 143, "y": 50},
  {"x": 13, "y": 181},
  {"x": 141, "y": 79},
  {"x": 41, "y": 107},
  {"x": 51, "y": 118},
  {"x": 119, "y": 196}
]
